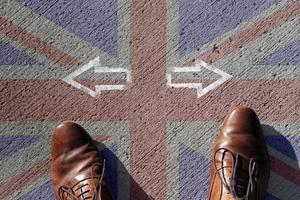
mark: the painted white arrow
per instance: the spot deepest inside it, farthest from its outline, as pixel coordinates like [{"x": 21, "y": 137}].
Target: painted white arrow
[
  {"x": 198, "y": 86},
  {"x": 95, "y": 63}
]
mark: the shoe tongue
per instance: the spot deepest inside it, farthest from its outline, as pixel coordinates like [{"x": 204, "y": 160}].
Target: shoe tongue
[
  {"x": 236, "y": 177},
  {"x": 241, "y": 183}
]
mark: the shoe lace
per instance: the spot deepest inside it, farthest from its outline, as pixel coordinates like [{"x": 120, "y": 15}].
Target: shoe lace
[
  {"x": 237, "y": 185},
  {"x": 97, "y": 184}
]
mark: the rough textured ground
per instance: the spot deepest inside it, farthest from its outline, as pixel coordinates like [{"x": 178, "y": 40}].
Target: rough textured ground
[{"x": 157, "y": 138}]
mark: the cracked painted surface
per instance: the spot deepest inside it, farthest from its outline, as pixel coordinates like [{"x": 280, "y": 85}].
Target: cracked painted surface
[{"x": 157, "y": 138}]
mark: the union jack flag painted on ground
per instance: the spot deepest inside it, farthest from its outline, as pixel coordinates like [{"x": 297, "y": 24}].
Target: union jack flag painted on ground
[{"x": 152, "y": 80}]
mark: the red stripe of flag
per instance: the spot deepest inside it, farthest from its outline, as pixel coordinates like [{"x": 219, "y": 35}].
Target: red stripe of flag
[
  {"x": 285, "y": 170},
  {"x": 248, "y": 35},
  {"x": 36, "y": 44},
  {"x": 276, "y": 100},
  {"x": 25, "y": 178}
]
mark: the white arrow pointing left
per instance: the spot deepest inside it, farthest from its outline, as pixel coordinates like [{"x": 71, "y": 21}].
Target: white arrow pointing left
[{"x": 95, "y": 63}]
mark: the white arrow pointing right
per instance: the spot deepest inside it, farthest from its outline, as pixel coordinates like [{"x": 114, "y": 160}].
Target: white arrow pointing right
[{"x": 198, "y": 86}]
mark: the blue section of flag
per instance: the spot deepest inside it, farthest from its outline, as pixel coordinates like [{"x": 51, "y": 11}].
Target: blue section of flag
[
  {"x": 287, "y": 55},
  {"x": 93, "y": 20},
  {"x": 43, "y": 192},
  {"x": 203, "y": 21},
  {"x": 9, "y": 144},
  {"x": 11, "y": 56},
  {"x": 269, "y": 196},
  {"x": 193, "y": 174},
  {"x": 288, "y": 145}
]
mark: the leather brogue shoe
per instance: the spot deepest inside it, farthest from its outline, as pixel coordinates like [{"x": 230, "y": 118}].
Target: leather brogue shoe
[
  {"x": 240, "y": 164},
  {"x": 76, "y": 166}
]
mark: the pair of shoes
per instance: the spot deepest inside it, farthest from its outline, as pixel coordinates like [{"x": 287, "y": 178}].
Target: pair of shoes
[{"x": 239, "y": 167}]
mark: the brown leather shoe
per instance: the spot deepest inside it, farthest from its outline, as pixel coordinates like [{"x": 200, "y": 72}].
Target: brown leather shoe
[
  {"x": 240, "y": 164},
  {"x": 76, "y": 167}
]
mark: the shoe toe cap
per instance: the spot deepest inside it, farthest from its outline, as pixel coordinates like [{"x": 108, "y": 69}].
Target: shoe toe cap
[
  {"x": 241, "y": 133},
  {"x": 67, "y": 136},
  {"x": 242, "y": 120}
]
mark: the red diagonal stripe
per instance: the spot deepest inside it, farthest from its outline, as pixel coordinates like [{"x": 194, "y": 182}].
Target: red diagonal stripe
[
  {"x": 285, "y": 170},
  {"x": 248, "y": 35},
  {"x": 36, "y": 44},
  {"x": 25, "y": 178}
]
